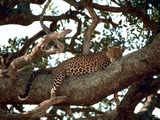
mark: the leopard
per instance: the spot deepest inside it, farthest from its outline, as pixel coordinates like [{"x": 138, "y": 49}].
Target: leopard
[{"x": 78, "y": 65}]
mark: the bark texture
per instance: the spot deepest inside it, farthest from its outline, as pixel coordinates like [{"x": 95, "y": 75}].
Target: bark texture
[{"x": 91, "y": 88}]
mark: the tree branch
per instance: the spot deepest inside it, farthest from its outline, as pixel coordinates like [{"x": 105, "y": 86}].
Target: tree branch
[
  {"x": 45, "y": 28},
  {"x": 13, "y": 17},
  {"x": 109, "y": 21},
  {"x": 91, "y": 28},
  {"x": 29, "y": 18},
  {"x": 91, "y": 88},
  {"x": 39, "y": 111},
  {"x": 133, "y": 11},
  {"x": 30, "y": 41},
  {"x": 125, "y": 111},
  {"x": 154, "y": 26},
  {"x": 71, "y": 46},
  {"x": 13, "y": 3},
  {"x": 157, "y": 104},
  {"x": 37, "y": 52},
  {"x": 148, "y": 107},
  {"x": 7, "y": 58},
  {"x": 135, "y": 94}
]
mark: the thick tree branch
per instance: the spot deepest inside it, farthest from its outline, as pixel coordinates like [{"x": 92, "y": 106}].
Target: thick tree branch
[
  {"x": 91, "y": 88},
  {"x": 135, "y": 94},
  {"x": 125, "y": 111},
  {"x": 12, "y": 3},
  {"x": 28, "y": 18}
]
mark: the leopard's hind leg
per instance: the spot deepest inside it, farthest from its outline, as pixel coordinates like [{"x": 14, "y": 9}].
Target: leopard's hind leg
[{"x": 56, "y": 84}]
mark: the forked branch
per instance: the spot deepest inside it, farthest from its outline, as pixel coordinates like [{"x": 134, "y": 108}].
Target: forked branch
[{"x": 37, "y": 52}]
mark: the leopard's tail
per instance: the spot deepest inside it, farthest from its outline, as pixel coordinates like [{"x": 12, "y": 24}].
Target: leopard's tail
[{"x": 30, "y": 80}]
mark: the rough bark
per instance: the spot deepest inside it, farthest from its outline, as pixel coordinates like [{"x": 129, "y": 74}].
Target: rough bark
[{"x": 91, "y": 88}]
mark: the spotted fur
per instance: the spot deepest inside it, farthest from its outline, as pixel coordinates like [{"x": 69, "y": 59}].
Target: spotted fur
[{"x": 76, "y": 66}]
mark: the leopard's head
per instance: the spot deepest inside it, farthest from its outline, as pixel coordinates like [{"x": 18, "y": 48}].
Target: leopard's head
[{"x": 114, "y": 53}]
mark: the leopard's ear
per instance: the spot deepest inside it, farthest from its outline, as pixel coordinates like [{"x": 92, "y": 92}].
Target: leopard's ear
[{"x": 122, "y": 49}]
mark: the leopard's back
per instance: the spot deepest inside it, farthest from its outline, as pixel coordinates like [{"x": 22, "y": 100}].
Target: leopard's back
[{"x": 85, "y": 64}]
